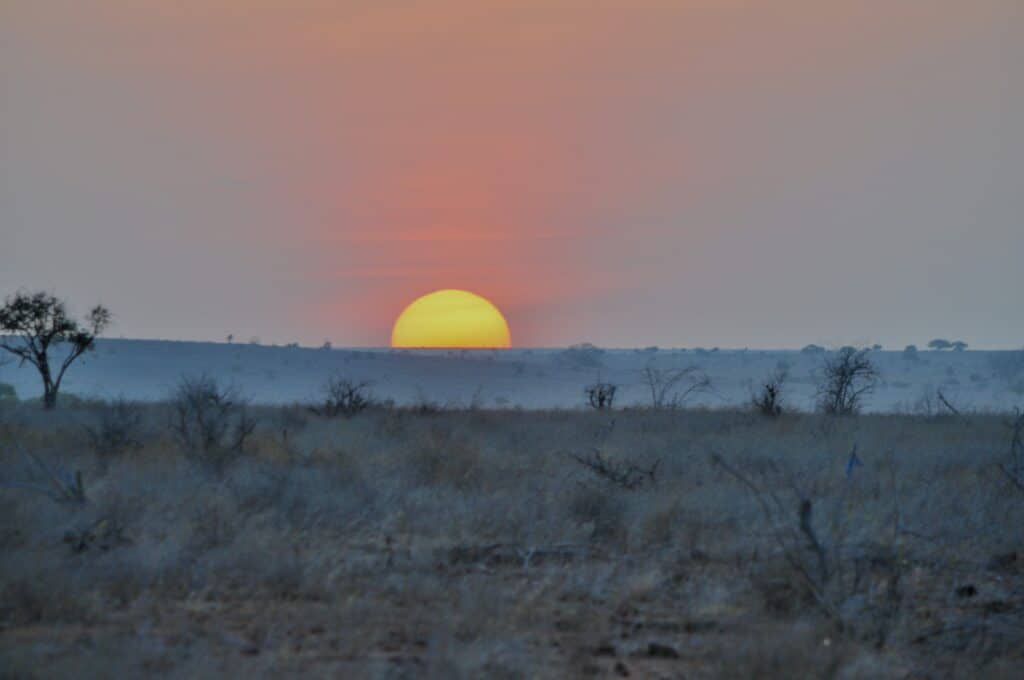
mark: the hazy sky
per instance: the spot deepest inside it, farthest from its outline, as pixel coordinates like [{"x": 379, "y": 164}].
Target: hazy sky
[{"x": 706, "y": 172}]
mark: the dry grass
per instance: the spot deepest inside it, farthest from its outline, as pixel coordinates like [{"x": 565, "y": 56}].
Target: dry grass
[{"x": 472, "y": 543}]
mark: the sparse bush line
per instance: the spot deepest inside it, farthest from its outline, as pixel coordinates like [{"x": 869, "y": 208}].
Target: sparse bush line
[{"x": 629, "y": 540}]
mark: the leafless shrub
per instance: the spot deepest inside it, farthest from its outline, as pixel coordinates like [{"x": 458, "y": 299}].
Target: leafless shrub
[
  {"x": 623, "y": 474},
  {"x": 118, "y": 429},
  {"x": 209, "y": 421},
  {"x": 600, "y": 395},
  {"x": 798, "y": 541},
  {"x": 842, "y": 580},
  {"x": 343, "y": 397},
  {"x": 791, "y": 539},
  {"x": 670, "y": 388},
  {"x": 849, "y": 377},
  {"x": 768, "y": 401}
]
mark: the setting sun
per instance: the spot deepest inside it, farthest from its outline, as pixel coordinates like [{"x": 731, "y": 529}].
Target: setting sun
[{"x": 451, "y": 318}]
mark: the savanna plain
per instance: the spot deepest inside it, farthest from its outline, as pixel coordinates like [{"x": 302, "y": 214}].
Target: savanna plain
[{"x": 199, "y": 537}]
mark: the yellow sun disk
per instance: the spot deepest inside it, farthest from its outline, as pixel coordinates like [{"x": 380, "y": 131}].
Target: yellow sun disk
[{"x": 451, "y": 318}]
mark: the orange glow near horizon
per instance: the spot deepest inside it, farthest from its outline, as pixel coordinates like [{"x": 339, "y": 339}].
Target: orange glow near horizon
[{"x": 451, "y": 319}]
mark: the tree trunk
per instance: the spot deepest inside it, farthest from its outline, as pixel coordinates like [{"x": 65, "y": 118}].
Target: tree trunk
[{"x": 49, "y": 387}]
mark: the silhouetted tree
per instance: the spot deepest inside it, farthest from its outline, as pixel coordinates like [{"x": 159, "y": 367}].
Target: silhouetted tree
[
  {"x": 940, "y": 344},
  {"x": 959, "y": 346},
  {"x": 768, "y": 402},
  {"x": 343, "y": 397},
  {"x": 849, "y": 377},
  {"x": 601, "y": 395},
  {"x": 36, "y": 323}
]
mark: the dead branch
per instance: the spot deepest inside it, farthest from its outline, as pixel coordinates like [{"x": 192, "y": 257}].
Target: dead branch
[
  {"x": 621, "y": 473},
  {"x": 670, "y": 388},
  {"x": 945, "y": 402}
]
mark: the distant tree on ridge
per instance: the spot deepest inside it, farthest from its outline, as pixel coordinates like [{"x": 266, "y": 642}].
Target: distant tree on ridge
[{"x": 36, "y": 324}]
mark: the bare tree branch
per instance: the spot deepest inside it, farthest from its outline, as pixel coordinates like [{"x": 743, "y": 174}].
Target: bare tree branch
[
  {"x": 849, "y": 377},
  {"x": 671, "y": 387}
]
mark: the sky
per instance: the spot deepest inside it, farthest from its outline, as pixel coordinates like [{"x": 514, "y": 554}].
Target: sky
[{"x": 629, "y": 173}]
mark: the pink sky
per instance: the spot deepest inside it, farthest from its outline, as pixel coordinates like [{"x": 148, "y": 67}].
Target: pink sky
[{"x": 628, "y": 173}]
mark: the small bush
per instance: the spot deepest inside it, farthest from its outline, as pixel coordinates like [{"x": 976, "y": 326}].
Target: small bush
[
  {"x": 209, "y": 421},
  {"x": 768, "y": 401},
  {"x": 343, "y": 397},
  {"x": 600, "y": 395}
]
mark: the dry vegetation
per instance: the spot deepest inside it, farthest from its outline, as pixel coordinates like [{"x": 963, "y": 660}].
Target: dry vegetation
[{"x": 419, "y": 543}]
